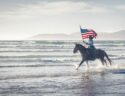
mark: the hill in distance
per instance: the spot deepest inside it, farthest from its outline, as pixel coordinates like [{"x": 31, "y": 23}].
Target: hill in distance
[{"x": 120, "y": 35}]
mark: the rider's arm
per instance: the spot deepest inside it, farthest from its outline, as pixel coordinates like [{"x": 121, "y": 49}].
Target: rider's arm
[{"x": 85, "y": 42}]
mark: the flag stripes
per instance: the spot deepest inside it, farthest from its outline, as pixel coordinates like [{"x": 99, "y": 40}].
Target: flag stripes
[{"x": 87, "y": 32}]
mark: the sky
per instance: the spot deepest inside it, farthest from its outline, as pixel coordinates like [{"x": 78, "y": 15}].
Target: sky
[{"x": 21, "y": 19}]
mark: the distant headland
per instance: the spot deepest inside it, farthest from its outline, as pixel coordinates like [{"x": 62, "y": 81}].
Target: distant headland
[{"x": 120, "y": 35}]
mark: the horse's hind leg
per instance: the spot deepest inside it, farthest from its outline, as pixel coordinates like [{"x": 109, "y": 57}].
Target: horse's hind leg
[
  {"x": 105, "y": 62},
  {"x": 102, "y": 61}
]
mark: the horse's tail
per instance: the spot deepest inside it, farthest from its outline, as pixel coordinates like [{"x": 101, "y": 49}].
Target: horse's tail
[{"x": 110, "y": 61}]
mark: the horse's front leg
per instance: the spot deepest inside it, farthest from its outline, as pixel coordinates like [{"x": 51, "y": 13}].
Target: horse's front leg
[
  {"x": 87, "y": 64},
  {"x": 79, "y": 65}
]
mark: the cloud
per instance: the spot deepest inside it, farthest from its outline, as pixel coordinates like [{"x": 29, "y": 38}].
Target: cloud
[
  {"x": 120, "y": 7},
  {"x": 28, "y": 17},
  {"x": 52, "y": 8}
]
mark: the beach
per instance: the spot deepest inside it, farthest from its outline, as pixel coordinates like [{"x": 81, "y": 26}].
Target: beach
[{"x": 47, "y": 68}]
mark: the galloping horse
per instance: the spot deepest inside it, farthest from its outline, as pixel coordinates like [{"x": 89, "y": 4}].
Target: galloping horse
[{"x": 100, "y": 54}]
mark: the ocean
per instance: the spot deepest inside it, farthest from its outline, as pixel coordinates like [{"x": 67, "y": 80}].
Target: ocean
[{"x": 47, "y": 68}]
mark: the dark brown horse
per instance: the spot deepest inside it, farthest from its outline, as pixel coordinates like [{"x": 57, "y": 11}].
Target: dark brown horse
[{"x": 99, "y": 54}]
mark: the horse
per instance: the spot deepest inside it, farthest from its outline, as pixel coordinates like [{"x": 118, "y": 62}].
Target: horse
[{"x": 100, "y": 54}]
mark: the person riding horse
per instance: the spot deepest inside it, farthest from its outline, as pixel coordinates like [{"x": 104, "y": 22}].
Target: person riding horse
[
  {"x": 88, "y": 51},
  {"x": 90, "y": 47},
  {"x": 100, "y": 54},
  {"x": 90, "y": 42}
]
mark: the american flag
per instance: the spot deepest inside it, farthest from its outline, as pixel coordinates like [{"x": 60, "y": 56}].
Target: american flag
[{"x": 87, "y": 32}]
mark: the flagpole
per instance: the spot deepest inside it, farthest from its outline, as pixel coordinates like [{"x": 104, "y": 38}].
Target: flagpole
[{"x": 80, "y": 29}]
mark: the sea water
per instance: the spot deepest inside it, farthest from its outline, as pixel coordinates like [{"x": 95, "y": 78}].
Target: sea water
[{"x": 47, "y": 68}]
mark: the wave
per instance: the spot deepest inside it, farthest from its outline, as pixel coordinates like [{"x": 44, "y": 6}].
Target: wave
[
  {"x": 119, "y": 71},
  {"x": 36, "y": 65},
  {"x": 35, "y": 50},
  {"x": 51, "y": 55},
  {"x": 71, "y": 73},
  {"x": 52, "y": 51},
  {"x": 38, "y": 76},
  {"x": 45, "y": 61}
]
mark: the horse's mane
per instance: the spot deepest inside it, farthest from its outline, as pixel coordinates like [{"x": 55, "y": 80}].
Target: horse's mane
[{"x": 80, "y": 46}]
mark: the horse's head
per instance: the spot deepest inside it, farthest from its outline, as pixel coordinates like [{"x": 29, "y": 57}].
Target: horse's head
[
  {"x": 79, "y": 47},
  {"x": 75, "y": 48}
]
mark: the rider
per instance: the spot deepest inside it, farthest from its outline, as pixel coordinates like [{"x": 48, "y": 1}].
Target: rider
[
  {"x": 90, "y": 43},
  {"x": 90, "y": 46}
]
